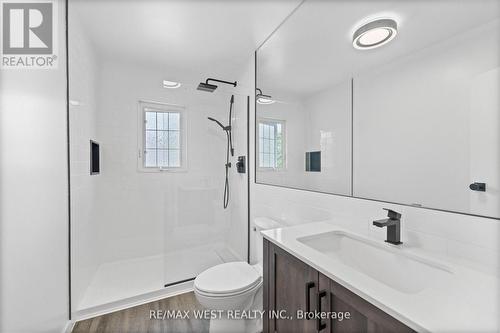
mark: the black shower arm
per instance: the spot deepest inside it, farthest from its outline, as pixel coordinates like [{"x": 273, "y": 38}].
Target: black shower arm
[
  {"x": 234, "y": 84},
  {"x": 261, "y": 94}
]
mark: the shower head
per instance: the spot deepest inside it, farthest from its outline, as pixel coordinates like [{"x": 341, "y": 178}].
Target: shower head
[
  {"x": 218, "y": 122},
  {"x": 205, "y": 86},
  {"x": 263, "y": 99}
]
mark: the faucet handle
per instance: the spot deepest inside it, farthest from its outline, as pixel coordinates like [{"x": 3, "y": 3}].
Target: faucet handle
[{"x": 392, "y": 214}]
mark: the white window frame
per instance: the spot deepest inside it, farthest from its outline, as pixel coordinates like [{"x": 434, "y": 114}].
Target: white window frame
[
  {"x": 145, "y": 106},
  {"x": 283, "y": 125}
]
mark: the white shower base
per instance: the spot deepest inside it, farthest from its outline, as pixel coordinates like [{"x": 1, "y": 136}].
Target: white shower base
[{"x": 119, "y": 280}]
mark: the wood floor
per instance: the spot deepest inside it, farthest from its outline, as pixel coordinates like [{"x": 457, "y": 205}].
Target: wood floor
[{"x": 137, "y": 319}]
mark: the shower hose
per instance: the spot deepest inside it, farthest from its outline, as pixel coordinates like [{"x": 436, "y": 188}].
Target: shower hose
[{"x": 228, "y": 150}]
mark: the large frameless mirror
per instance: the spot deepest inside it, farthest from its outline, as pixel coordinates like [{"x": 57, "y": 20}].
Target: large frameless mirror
[{"x": 384, "y": 100}]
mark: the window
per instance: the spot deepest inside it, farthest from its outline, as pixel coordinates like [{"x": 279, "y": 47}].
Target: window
[
  {"x": 163, "y": 139},
  {"x": 271, "y": 144}
]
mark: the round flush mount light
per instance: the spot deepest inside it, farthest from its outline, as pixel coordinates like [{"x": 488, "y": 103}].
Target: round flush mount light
[
  {"x": 374, "y": 34},
  {"x": 171, "y": 84}
]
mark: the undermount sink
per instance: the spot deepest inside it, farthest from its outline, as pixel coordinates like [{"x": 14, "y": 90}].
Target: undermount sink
[{"x": 387, "y": 264}]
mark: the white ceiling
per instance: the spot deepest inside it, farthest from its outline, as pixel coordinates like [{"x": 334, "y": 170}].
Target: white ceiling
[
  {"x": 313, "y": 48},
  {"x": 181, "y": 38}
]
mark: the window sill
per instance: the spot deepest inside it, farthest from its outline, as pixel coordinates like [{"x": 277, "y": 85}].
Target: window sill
[
  {"x": 160, "y": 170},
  {"x": 271, "y": 169}
]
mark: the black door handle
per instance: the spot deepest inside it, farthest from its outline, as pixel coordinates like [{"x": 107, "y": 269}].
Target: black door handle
[
  {"x": 309, "y": 286},
  {"x": 319, "y": 323}
]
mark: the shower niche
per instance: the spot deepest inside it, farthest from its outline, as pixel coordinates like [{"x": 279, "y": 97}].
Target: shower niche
[
  {"x": 313, "y": 161},
  {"x": 95, "y": 158}
]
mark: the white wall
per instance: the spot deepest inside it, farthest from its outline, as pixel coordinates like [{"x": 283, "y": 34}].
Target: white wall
[
  {"x": 33, "y": 197},
  {"x": 328, "y": 129},
  {"x": 83, "y": 88},
  {"x": 419, "y": 126}
]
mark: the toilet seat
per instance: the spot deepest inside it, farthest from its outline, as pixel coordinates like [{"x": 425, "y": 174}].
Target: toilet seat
[
  {"x": 228, "y": 279},
  {"x": 249, "y": 291}
]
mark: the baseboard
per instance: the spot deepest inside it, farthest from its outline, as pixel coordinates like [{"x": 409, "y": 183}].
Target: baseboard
[{"x": 100, "y": 310}]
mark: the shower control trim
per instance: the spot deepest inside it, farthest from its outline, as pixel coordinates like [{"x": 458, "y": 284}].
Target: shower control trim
[
  {"x": 480, "y": 187},
  {"x": 241, "y": 164}
]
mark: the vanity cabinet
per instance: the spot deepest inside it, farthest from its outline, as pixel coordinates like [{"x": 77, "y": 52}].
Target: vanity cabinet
[{"x": 292, "y": 287}]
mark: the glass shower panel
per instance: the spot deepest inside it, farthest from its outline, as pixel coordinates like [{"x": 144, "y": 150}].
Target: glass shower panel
[
  {"x": 154, "y": 213},
  {"x": 198, "y": 232}
]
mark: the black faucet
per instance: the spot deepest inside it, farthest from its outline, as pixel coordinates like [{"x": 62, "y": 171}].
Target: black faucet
[{"x": 393, "y": 224}]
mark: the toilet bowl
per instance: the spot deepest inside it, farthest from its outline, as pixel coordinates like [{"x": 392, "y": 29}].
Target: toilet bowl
[
  {"x": 229, "y": 286},
  {"x": 235, "y": 286}
]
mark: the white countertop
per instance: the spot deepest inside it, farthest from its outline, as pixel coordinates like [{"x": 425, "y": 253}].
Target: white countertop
[{"x": 467, "y": 301}]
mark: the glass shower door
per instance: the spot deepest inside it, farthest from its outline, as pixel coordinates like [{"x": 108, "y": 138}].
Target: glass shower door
[{"x": 198, "y": 231}]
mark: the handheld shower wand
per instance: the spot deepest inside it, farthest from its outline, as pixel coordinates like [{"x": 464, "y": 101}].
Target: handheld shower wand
[
  {"x": 218, "y": 122},
  {"x": 227, "y": 130},
  {"x": 230, "y": 121}
]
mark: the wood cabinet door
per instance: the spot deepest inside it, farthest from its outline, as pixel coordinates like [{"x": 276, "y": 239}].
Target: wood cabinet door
[
  {"x": 364, "y": 316},
  {"x": 324, "y": 303},
  {"x": 292, "y": 286}
]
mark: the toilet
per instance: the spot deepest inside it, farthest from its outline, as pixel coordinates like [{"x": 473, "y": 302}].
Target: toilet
[{"x": 235, "y": 286}]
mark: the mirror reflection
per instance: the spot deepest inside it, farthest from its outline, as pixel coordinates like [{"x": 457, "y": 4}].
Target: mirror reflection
[{"x": 398, "y": 105}]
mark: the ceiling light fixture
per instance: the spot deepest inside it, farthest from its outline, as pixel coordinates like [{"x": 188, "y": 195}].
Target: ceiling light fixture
[
  {"x": 171, "y": 84},
  {"x": 374, "y": 34},
  {"x": 264, "y": 99}
]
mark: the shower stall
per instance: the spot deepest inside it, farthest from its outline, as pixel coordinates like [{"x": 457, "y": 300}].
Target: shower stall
[{"x": 153, "y": 216}]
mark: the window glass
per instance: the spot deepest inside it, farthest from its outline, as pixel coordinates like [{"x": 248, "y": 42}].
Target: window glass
[
  {"x": 162, "y": 139},
  {"x": 173, "y": 121},
  {"x": 271, "y": 144}
]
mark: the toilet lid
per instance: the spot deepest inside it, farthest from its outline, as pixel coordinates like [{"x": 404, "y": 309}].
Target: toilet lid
[{"x": 227, "y": 278}]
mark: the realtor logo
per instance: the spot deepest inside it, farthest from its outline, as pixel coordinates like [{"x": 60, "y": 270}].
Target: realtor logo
[
  {"x": 27, "y": 28},
  {"x": 28, "y": 35}
]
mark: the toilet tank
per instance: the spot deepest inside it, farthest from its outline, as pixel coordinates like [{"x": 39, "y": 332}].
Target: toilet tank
[{"x": 260, "y": 224}]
